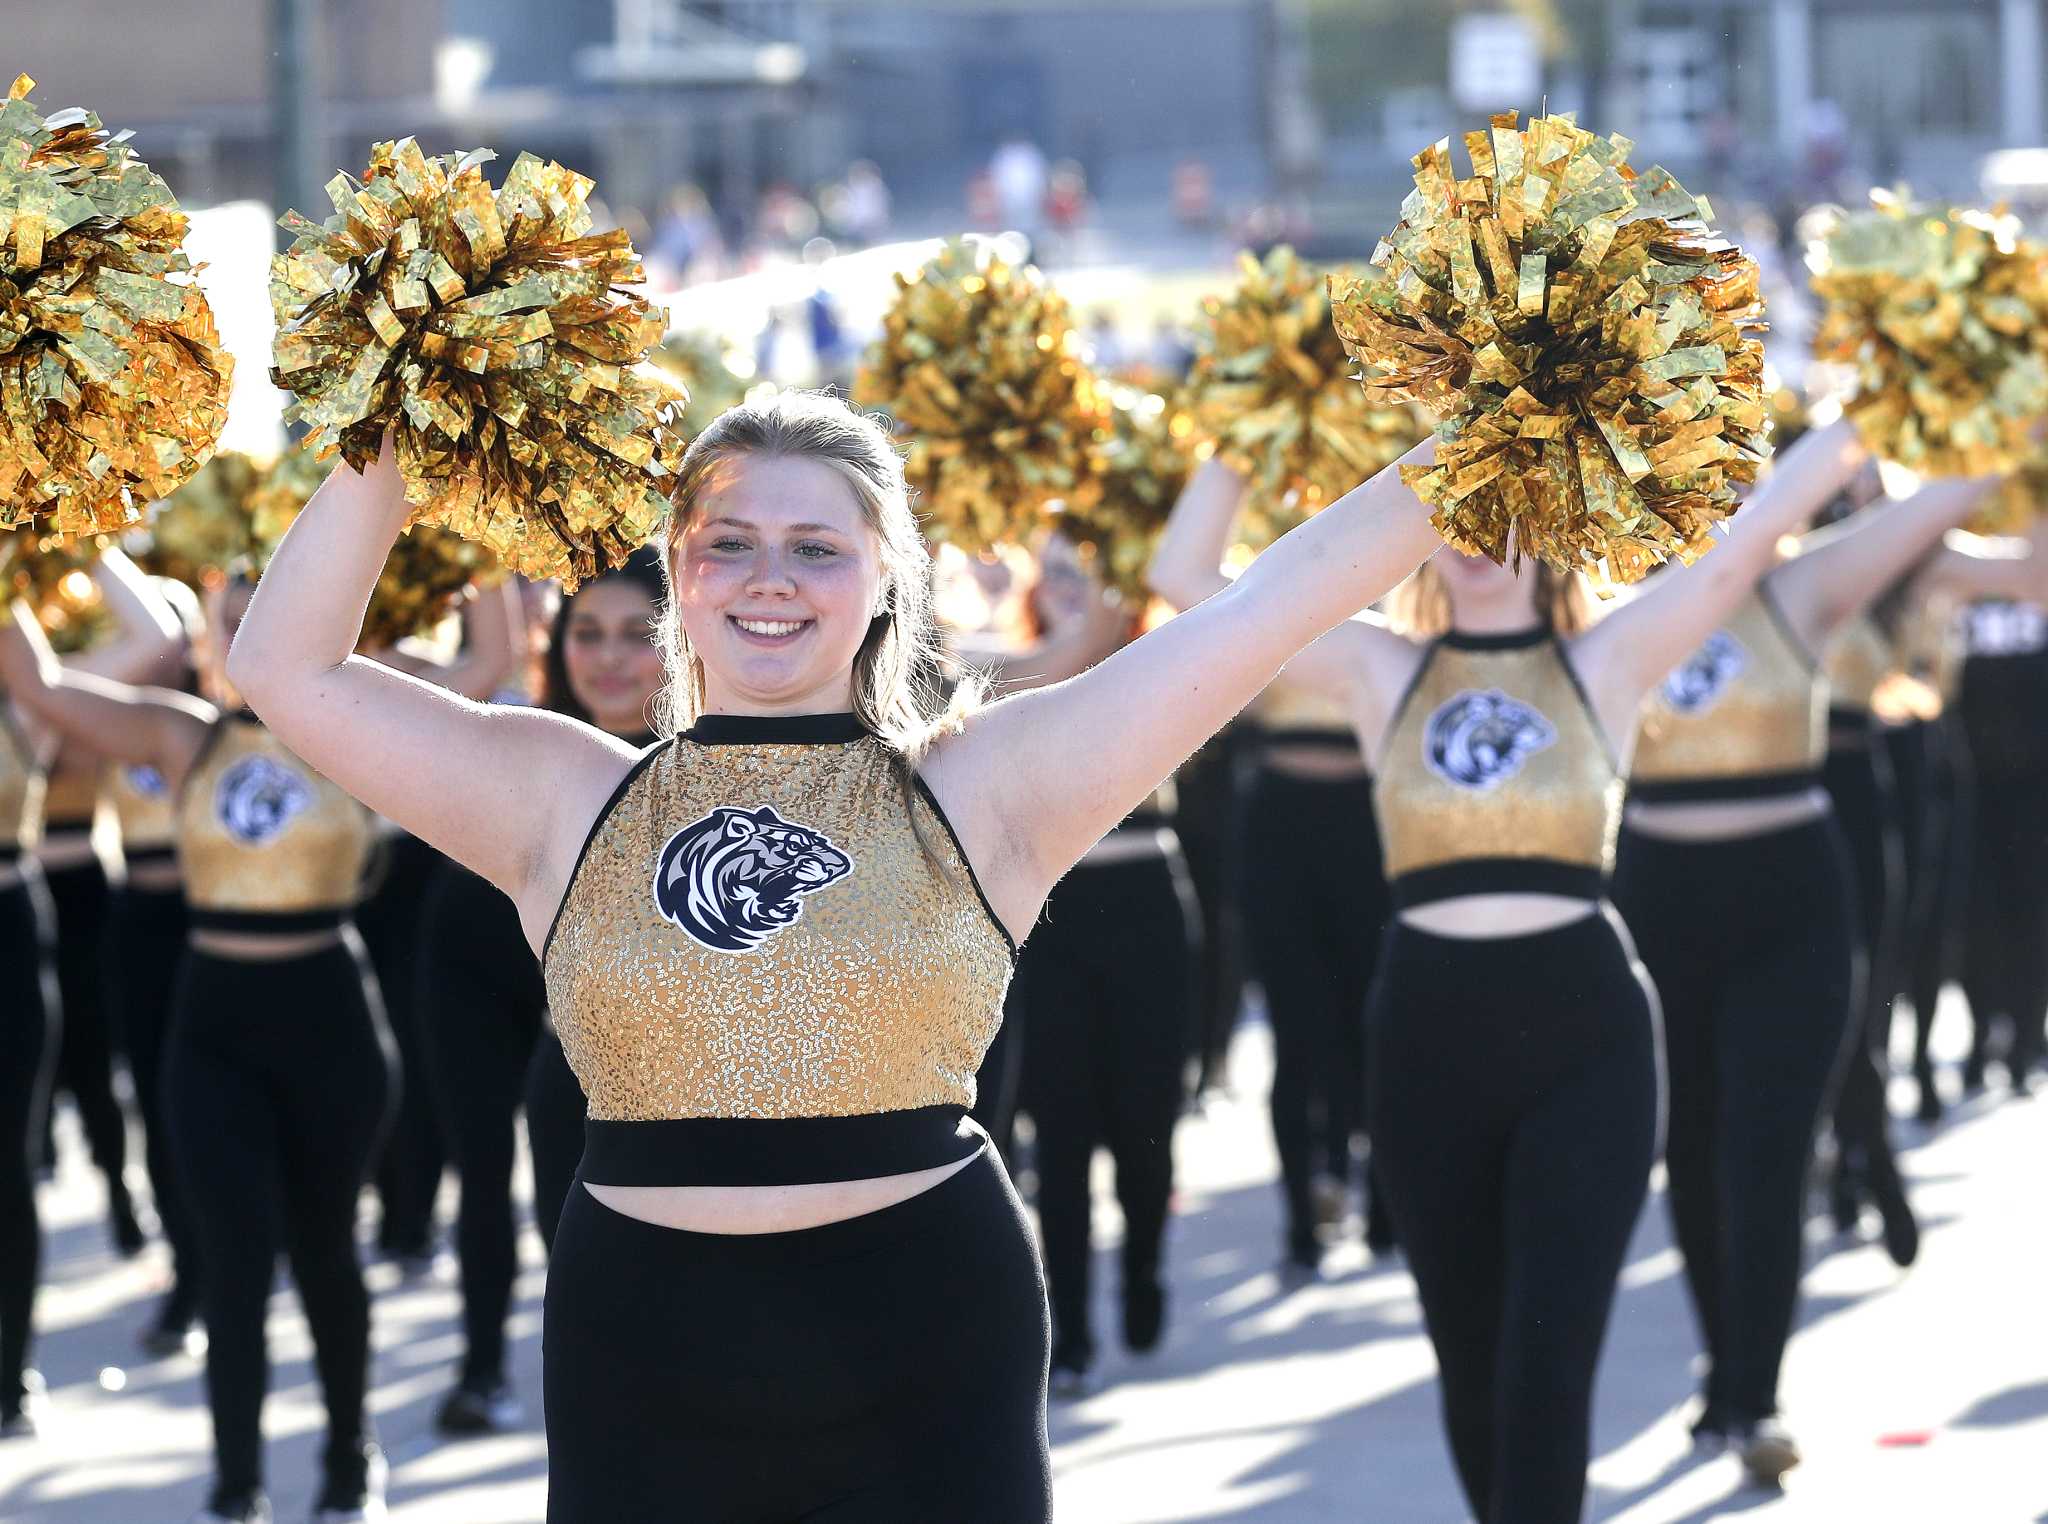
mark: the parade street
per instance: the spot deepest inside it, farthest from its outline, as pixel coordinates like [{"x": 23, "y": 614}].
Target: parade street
[{"x": 1919, "y": 1398}]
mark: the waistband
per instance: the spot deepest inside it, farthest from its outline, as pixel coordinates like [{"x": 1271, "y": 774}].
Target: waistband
[
  {"x": 1744, "y": 786},
  {"x": 1497, "y": 875},
  {"x": 777, "y": 1150},
  {"x": 324, "y": 918},
  {"x": 153, "y": 852},
  {"x": 1332, "y": 740}
]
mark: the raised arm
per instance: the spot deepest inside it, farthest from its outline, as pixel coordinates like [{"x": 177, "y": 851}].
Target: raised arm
[
  {"x": 1842, "y": 569},
  {"x": 148, "y": 638},
  {"x": 493, "y": 639},
  {"x": 1625, "y": 654},
  {"x": 1036, "y": 779},
  {"x": 146, "y": 727},
  {"x": 1968, "y": 566},
  {"x": 1187, "y": 563},
  {"x": 507, "y": 792}
]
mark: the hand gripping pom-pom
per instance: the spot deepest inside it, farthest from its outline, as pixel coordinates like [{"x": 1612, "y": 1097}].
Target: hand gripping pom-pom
[
  {"x": 1142, "y": 461},
  {"x": 1274, "y": 392},
  {"x": 1941, "y": 318},
  {"x": 113, "y": 382},
  {"x": 981, "y": 367},
  {"x": 487, "y": 330},
  {"x": 1585, "y": 341},
  {"x": 52, "y": 573}
]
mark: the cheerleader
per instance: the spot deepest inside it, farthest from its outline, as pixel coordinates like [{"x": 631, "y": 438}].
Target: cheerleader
[
  {"x": 278, "y": 1065},
  {"x": 1314, "y": 900},
  {"x": 481, "y": 990},
  {"x": 1728, "y": 827},
  {"x": 775, "y": 948}
]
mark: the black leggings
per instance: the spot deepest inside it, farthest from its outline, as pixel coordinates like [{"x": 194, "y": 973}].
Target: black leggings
[
  {"x": 1110, "y": 985},
  {"x": 1859, "y": 781},
  {"x": 1314, "y": 907},
  {"x": 29, "y": 1035},
  {"x": 1515, "y": 1113},
  {"x": 1931, "y": 767},
  {"x": 885, "y": 1368},
  {"x": 277, "y": 1083},
  {"x": 144, "y": 946},
  {"x": 1209, "y": 820},
  {"x": 481, "y": 990},
  {"x": 2006, "y": 965},
  {"x": 1750, "y": 942},
  {"x": 555, "y": 1109},
  {"x": 85, "y": 1065},
  {"x": 408, "y": 1170}
]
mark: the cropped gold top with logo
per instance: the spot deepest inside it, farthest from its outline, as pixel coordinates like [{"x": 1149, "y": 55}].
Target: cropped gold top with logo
[
  {"x": 266, "y": 843},
  {"x": 1743, "y": 717},
  {"x": 1856, "y": 663},
  {"x": 143, "y": 805},
  {"x": 21, "y": 790},
  {"x": 1496, "y": 777},
  {"x": 771, "y": 967}
]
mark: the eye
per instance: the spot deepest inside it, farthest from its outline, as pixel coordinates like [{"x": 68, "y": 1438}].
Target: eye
[
  {"x": 814, "y": 550},
  {"x": 728, "y": 543}
]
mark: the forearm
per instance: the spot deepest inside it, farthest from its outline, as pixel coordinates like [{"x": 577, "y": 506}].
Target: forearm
[
  {"x": 149, "y": 635},
  {"x": 1825, "y": 587},
  {"x": 1187, "y": 564},
  {"x": 307, "y": 613},
  {"x": 113, "y": 718},
  {"x": 487, "y": 656}
]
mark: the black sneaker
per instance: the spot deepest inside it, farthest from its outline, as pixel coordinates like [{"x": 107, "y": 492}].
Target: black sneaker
[
  {"x": 489, "y": 1409},
  {"x": 174, "y": 1330},
  {"x": 354, "y": 1493},
  {"x": 1070, "y": 1383},
  {"x": 1767, "y": 1449},
  {"x": 245, "y": 1508}
]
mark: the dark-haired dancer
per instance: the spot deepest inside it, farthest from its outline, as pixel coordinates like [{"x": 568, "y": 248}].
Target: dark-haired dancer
[
  {"x": 272, "y": 1122},
  {"x": 1728, "y": 826},
  {"x": 482, "y": 991}
]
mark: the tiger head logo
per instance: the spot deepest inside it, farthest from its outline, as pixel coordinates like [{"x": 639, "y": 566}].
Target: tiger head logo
[
  {"x": 736, "y": 877},
  {"x": 1696, "y": 683},
  {"x": 257, "y": 798},
  {"x": 1479, "y": 740},
  {"x": 148, "y": 782}
]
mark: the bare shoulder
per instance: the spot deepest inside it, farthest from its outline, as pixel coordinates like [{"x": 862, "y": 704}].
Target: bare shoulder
[{"x": 577, "y": 768}]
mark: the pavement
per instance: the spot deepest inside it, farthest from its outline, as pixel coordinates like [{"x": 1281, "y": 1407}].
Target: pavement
[{"x": 1920, "y": 1398}]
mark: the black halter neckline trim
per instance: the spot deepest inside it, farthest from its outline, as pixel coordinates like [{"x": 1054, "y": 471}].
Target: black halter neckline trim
[
  {"x": 776, "y": 729},
  {"x": 1506, "y": 640}
]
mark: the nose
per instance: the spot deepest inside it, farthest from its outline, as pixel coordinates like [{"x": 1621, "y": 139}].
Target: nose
[{"x": 770, "y": 575}]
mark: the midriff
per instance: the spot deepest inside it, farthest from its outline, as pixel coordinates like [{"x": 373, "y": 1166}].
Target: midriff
[
  {"x": 261, "y": 946},
  {"x": 768, "y": 1208},
  {"x": 1723, "y": 819},
  {"x": 1480, "y": 916}
]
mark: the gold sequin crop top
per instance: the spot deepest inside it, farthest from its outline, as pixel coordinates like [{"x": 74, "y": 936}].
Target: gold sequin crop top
[
  {"x": 21, "y": 790},
  {"x": 1496, "y": 777},
  {"x": 1857, "y": 661},
  {"x": 1289, "y": 714},
  {"x": 1743, "y": 717},
  {"x": 266, "y": 843},
  {"x": 770, "y": 967},
  {"x": 148, "y": 815}
]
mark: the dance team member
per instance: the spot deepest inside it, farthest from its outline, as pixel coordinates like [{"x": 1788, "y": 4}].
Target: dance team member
[
  {"x": 1314, "y": 900},
  {"x": 278, "y": 1065},
  {"x": 1728, "y": 826},
  {"x": 775, "y": 948},
  {"x": 481, "y": 991}
]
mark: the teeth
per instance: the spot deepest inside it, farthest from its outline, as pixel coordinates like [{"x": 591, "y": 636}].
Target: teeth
[{"x": 770, "y": 626}]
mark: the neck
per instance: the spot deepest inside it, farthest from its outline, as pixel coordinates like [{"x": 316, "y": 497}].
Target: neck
[
  {"x": 835, "y": 697},
  {"x": 1503, "y": 615}
]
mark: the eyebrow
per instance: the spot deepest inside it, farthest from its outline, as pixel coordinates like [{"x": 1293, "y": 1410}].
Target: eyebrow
[{"x": 793, "y": 528}]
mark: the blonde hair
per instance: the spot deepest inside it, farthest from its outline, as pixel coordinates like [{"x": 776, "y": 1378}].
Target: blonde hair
[
  {"x": 898, "y": 688},
  {"x": 1420, "y": 608}
]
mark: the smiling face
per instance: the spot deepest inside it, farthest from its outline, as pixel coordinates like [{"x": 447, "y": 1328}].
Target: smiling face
[
  {"x": 609, "y": 654},
  {"x": 777, "y": 577}
]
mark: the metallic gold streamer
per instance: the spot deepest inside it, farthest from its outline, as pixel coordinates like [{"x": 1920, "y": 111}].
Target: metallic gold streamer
[
  {"x": 53, "y": 574},
  {"x": 490, "y": 332},
  {"x": 113, "y": 383},
  {"x": 1584, "y": 340},
  {"x": 1142, "y": 459}
]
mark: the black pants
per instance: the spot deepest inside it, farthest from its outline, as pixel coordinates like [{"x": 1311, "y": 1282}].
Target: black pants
[
  {"x": 408, "y": 1171},
  {"x": 1751, "y": 945},
  {"x": 1931, "y": 768},
  {"x": 1110, "y": 984},
  {"x": 29, "y": 1028},
  {"x": 277, "y": 1084},
  {"x": 481, "y": 992},
  {"x": 144, "y": 946},
  {"x": 1859, "y": 781},
  {"x": 85, "y": 1065},
  {"x": 555, "y": 1109},
  {"x": 1315, "y": 906},
  {"x": 1515, "y": 1114},
  {"x": 886, "y": 1368},
  {"x": 1209, "y": 820},
  {"x": 2006, "y": 962}
]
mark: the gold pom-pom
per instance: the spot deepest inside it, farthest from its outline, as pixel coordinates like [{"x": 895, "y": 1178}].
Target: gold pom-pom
[
  {"x": 52, "y": 573},
  {"x": 113, "y": 382},
  {"x": 1584, "y": 339},
  {"x": 202, "y": 530},
  {"x": 1142, "y": 459},
  {"x": 1939, "y": 314},
  {"x": 487, "y": 330},
  {"x": 981, "y": 367},
  {"x": 716, "y": 376},
  {"x": 2016, "y": 505},
  {"x": 1274, "y": 391}
]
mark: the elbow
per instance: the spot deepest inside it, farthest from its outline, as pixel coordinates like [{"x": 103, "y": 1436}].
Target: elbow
[
  {"x": 251, "y": 673},
  {"x": 1170, "y": 586}
]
